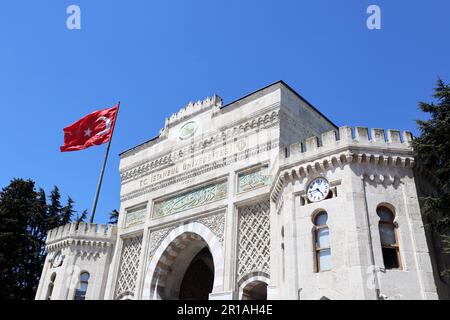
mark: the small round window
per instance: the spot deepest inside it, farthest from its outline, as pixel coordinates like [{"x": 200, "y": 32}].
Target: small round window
[{"x": 188, "y": 130}]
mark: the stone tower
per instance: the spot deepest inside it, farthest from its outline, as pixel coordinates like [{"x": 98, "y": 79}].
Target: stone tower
[{"x": 77, "y": 254}]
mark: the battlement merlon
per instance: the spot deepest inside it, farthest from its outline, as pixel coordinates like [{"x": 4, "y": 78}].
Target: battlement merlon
[
  {"x": 358, "y": 138},
  {"x": 192, "y": 109},
  {"x": 85, "y": 231}
]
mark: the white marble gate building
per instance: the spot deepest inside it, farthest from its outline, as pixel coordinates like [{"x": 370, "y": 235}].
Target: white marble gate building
[{"x": 261, "y": 198}]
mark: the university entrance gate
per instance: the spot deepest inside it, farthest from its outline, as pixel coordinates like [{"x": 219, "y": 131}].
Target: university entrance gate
[{"x": 187, "y": 265}]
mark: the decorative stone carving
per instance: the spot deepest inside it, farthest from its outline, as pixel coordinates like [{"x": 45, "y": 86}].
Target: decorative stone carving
[
  {"x": 254, "y": 239},
  {"x": 135, "y": 216},
  {"x": 193, "y": 108},
  {"x": 129, "y": 264},
  {"x": 238, "y": 130},
  {"x": 345, "y": 148},
  {"x": 188, "y": 130},
  {"x": 251, "y": 180},
  {"x": 156, "y": 237},
  {"x": 81, "y": 237},
  {"x": 216, "y": 223},
  {"x": 201, "y": 170},
  {"x": 191, "y": 199}
]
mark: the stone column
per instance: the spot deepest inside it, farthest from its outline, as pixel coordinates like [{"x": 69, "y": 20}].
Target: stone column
[
  {"x": 230, "y": 248},
  {"x": 113, "y": 270},
  {"x": 273, "y": 289},
  {"x": 359, "y": 246},
  {"x": 143, "y": 262},
  {"x": 290, "y": 244}
]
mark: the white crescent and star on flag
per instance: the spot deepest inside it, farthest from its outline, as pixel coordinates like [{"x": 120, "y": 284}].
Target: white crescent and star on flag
[{"x": 88, "y": 132}]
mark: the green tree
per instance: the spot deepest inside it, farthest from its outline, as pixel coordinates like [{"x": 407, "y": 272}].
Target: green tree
[
  {"x": 432, "y": 150},
  {"x": 54, "y": 209},
  {"x": 38, "y": 227},
  {"x": 81, "y": 218},
  {"x": 113, "y": 217},
  {"x": 18, "y": 279},
  {"x": 67, "y": 212},
  {"x": 39, "y": 222},
  {"x": 25, "y": 219}
]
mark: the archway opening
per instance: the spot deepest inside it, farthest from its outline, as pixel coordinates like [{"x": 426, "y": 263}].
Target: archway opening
[
  {"x": 198, "y": 279},
  {"x": 255, "y": 290},
  {"x": 185, "y": 270}
]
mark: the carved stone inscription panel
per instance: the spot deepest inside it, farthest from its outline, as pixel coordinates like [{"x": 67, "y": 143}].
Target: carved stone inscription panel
[{"x": 191, "y": 199}]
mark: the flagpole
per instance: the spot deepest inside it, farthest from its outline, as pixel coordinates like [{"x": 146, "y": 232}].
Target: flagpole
[{"x": 99, "y": 185}]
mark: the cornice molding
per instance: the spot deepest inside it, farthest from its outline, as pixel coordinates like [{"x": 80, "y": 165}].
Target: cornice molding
[
  {"x": 80, "y": 245},
  {"x": 300, "y": 170},
  {"x": 141, "y": 168},
  {"x": 270, "y": 145}
]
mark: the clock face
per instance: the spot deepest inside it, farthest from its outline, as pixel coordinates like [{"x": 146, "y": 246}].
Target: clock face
[
  {"x": 318, "y": 189},
  {"x": 188, "y": 130}
]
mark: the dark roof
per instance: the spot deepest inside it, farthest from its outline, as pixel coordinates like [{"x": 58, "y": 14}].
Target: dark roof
[{"x": 281, "y": 82}]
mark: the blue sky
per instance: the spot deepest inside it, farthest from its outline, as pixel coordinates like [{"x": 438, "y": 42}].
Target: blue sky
[{"x": 156, "y": 56}]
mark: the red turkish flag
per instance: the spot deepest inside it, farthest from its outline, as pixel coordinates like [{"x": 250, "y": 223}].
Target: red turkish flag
[{"x": 92, "y": 130}]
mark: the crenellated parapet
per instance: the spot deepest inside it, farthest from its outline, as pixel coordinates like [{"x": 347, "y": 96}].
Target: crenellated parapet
[
  {"x": 358, "y": 137},
  {"x": 340, "y": 147},
  {"x": 82, "y": 234},
  {"x": 192, "y": 108}
]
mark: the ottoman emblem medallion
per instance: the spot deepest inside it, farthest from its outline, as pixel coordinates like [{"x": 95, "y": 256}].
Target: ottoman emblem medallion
[{"x": 188, "y": 130}]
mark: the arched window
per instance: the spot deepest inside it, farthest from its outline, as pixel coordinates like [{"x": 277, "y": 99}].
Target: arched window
[
  {"x": 50, "y": 286},
  {"x": 389, "y": 239},
  {"x": 80, "y": 293},
  {"x": 322, "y": 248}
]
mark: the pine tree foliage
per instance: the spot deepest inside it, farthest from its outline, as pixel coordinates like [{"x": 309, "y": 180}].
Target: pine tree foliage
[
  {"x": 54, "y": 208},
  {"x": 113, "y": 217},
  {"x": 25, "y": 218},
  {"x": 17, "y": 245},
  {"x": 67, "y": 212},
  {"x": 81, "y": 218},
  {"x": 432, "y": 150}
]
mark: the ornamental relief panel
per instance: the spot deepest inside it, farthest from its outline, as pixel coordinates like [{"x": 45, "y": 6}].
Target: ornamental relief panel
[
  {"x": 254, "y": 239},
  {"x": 191, "y": 199},
  {"x": 196, "y": 161},
  {"x": 129, "y": 264},
  {"x": 145, "y": 185},
  {"x": 135, "y": 216},
  {"x": 156, "y": 237},
  {"x": 145, "y": 167},
  {"x": 215, "y": 222},
  {"x": 254, "y": 179}
]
